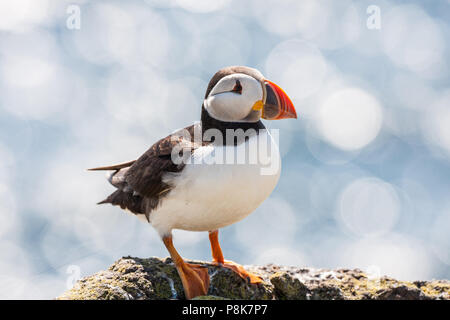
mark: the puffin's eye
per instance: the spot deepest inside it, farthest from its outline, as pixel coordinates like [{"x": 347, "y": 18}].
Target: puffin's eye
[{"x": 237, "y": 87}]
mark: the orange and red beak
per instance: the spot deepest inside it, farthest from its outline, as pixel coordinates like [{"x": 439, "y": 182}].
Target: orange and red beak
[{"x": 277, "y": 105}]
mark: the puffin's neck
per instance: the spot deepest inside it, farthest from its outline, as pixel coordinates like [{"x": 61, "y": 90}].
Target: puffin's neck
[{"x": 209, "y": 122}]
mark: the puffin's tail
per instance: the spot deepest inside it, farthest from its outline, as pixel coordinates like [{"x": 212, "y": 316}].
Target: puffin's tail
[
  {"x": 104, "y": 201},
  {"x": 124, "y": 196},
  {"x": 125, "y": 200}
]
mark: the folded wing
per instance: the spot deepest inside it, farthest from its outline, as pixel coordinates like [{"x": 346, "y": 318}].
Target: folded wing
[{"x": 139, "y": 183}]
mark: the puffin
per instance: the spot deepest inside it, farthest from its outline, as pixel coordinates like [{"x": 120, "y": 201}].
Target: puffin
[{"x": 188, "y": 181}]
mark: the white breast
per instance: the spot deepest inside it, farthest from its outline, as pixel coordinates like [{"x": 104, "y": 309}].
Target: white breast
[{"x": 212, "y": 196}]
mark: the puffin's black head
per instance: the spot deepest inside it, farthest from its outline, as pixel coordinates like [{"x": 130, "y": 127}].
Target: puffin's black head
[{"x": 242, "y": 94}]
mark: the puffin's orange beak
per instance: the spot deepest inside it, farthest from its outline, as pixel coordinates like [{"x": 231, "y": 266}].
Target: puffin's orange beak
[{"x": 277, "y": 105}]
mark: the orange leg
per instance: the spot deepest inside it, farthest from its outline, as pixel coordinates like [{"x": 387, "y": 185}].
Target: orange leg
[
  {"x": 220, "y": 261},
  {"x": 195, "y": 278}
]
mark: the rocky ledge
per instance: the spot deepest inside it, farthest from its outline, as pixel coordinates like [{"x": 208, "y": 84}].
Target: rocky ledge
[{"x": 154, "y": 278}]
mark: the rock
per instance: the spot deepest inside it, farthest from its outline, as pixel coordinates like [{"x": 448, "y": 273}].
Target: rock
[
  {"x": 401, "y": 292},
  {"x": 225, "y": 283},
  {"x": 154, "y": 278},
  {"x": 210, "y": 297},
  {"x": 287, "y": 287}
]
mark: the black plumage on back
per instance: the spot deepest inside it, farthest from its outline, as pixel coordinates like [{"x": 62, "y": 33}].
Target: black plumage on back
[{"x": 139, "y": 184}]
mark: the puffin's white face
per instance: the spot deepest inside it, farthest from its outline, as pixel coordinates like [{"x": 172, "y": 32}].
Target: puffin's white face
[{"x": 237, "y": 97}]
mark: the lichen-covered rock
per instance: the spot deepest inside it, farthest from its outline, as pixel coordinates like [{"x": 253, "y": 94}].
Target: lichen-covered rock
[
  {"x": 129, "y": 279},
  {"x": 225, "y": 283},
  {"x": 155, "y": 278},
  {"x": 439, "y": 289},
  {"x": 401, "y": 292},
  {"x": 287, "y": 287}
]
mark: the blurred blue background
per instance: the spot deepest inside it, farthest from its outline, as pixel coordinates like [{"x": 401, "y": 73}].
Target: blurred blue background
[{"x": 366, "y": 167}]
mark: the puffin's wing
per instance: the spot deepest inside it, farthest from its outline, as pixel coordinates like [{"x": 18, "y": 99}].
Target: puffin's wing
[
  {"x": 139, "y": 183},
  {"x": 145, "y": 175},
  {"x": 114, "y": 167}
]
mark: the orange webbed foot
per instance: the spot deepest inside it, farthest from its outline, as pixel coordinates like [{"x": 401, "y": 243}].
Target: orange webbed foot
[
  {"x": 237, "y": 268},
  {"x": 194, "y": 277},
  {"x": 195, "y": 280}
]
